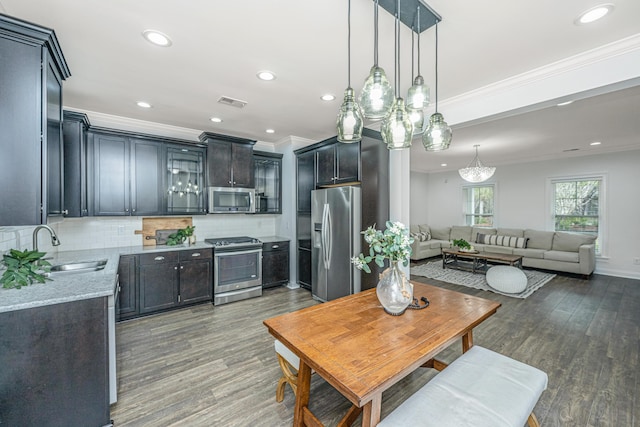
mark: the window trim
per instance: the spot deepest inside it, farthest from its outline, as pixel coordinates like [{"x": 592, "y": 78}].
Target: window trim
[
  {"x": 603, "y": 229},
  {"x": 495, "y": 202}
]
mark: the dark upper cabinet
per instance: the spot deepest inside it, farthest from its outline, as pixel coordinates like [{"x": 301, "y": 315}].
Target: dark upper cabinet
[
  {"x": 127, "y": 175},
  {"x": 305, "y": 173},
  {"x": 229, "y": 161},
  {"x": 275, "y": 264},
  {"x": 75, "y": 126},
  {"x": 32, "y": 69},
  {"x": 337, "y": 163},
  {"x": 268, "y": 182},
  {"x": 185, "y": 179}
]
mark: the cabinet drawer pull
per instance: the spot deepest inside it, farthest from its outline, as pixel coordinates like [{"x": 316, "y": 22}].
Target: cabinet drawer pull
[
  {"x": 195, "y": 254},
  {"x": 275, "y": 246},
  {"x": 175, "y": 268},
  {"x": 159, "y": 258}
]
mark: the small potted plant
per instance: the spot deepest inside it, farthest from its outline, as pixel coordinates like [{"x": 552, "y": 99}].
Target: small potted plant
[
  {"x": 463, "y": 245},
  {"x": 23, "y": 268}
]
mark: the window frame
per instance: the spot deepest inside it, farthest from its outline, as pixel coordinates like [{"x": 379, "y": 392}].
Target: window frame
[
  {"x": 465, "y": 214},
  {"x": 602, "y": 246}
]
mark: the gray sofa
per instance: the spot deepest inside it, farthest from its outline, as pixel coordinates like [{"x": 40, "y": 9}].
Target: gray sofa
[{"x": 548, "y": 250}]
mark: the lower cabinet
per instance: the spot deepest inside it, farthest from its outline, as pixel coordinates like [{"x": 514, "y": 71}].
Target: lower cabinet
[
  {"x": 159, "y": 281},
  {"x": 275, "y": 264},
  {"x": 304, "y": 268}
]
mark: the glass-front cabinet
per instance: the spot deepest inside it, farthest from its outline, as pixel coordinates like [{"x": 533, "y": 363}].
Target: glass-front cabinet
[
  {"x": 185, "y": 180},
  {"x": 268, "y": 182}
]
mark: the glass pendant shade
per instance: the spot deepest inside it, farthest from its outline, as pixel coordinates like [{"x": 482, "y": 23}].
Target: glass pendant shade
[
  {"x": 376, "y": 97},
  {"x": 437, "y": 136},
  {"x": 418, "y": 96},
  {"x": 476, "y": 171},
  {"x": 349, "y": 121},
  {"x": 417, "y": 118},
  {"x": 397, "y": 128}
]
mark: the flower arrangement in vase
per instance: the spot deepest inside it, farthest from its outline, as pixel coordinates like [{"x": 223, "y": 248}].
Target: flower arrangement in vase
[{"x": 394, "y": 291}]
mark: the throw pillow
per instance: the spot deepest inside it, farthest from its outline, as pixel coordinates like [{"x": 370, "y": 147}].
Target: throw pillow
[
  {"x": 422, "y": 236},
  {"x": 499, "y": 240}
]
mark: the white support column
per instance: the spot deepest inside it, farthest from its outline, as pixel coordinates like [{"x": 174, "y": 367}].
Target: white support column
[{"x": 399, "y": 186}]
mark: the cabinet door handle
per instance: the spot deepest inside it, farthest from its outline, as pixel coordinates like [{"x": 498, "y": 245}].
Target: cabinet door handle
[
  {"x": 175, "y": 268},
  {"x": 195, "y": 254},
  {"x": 182, "y": 267},
  {"x": 133, "y": 210},
  {"x": 275, "y": 246},
  {"x": 159, "y": 258}
]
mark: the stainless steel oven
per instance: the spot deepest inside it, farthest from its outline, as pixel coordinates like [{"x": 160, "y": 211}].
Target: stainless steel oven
[{"x": 237, "y": 269}]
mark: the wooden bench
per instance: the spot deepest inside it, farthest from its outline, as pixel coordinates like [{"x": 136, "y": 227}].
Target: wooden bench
[
  {"x": 479, "y": 389},
  {"x": 289, "y": 364}
]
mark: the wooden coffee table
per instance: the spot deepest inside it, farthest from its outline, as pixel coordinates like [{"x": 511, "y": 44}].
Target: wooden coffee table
[{"x": 478, "y": 260}]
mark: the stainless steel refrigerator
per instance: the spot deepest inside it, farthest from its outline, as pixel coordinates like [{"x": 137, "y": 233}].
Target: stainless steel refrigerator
[{"x": 335, "y": 238}]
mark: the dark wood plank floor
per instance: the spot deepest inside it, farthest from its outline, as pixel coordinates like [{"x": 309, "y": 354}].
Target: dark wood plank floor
[{"x": 215, "y": 366}]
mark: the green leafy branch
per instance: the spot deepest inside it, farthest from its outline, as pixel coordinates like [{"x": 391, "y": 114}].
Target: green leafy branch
[{"x": 24, "y": 268}]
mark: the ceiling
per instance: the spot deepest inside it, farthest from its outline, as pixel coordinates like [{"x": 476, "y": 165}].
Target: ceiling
[{"x": 218, "y": 48}]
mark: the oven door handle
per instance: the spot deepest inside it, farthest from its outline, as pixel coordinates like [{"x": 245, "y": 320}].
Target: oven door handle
[{"x": 248, "y": 251}]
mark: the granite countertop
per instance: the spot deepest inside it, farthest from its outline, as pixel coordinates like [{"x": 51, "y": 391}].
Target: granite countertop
[
  {"x": 69, "y": 287},
  {"x": 271, "y": 239}
]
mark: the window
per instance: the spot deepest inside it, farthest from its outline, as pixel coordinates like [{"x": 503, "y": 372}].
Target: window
[
  {"x": 478, "y": 205},
  {"x": 577, "y": 206}
]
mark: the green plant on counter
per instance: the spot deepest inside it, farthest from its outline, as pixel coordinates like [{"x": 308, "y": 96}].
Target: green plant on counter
[
  {"x": 180, "y": 236},
  {"x": 461, "y": 243},
  {"x": 24, "y": 268}
]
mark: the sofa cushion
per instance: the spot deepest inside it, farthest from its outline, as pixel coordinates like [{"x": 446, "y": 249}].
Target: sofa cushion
[
  {"x": 461, "y": 232},
  {"x": 424, "y": 228},
  {"x": 481, "y": 230},
  {"x": 539, "y": 239},
  {"x": 571, "y": 242},
  {"x": 562, "y": 256},
  {"x": 517, "y": 232},
  {"x": 530, "y": 253},
  {"x": 500, "y": 240},
  {"x": 440, "y": 233},
  {"x": 414, "y": 228},
  {"x": 498, "y": 249}
]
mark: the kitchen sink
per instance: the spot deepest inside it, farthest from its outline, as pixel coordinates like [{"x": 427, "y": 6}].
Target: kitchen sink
[{"x": 78, "y": 267}]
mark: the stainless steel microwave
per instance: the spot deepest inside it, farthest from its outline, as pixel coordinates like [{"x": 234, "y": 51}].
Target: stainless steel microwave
[{"x": 232, "y": 200}]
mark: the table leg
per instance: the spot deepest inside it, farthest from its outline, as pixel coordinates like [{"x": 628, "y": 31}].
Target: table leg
[
  {"x": 302, "y": 395},
  {"x": 371, "y": 412},
  {"x": 467, "y": 341}
]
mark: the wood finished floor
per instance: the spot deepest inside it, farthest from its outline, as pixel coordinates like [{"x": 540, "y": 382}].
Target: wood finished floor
[{"x": 215, "y": 366}]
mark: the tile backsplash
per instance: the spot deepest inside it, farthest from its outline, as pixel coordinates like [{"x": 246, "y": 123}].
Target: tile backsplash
[{"x": 106, "y": 232}]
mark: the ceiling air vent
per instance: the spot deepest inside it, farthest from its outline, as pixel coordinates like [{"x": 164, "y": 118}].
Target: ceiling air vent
[{"x": 232, "y": 102}]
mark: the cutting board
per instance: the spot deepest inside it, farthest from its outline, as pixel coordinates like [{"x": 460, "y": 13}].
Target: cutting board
[{"x": 150, "y": 225}]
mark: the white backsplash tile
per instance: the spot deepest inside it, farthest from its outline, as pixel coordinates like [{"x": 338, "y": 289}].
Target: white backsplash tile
[{"x": 106, "y": 232}]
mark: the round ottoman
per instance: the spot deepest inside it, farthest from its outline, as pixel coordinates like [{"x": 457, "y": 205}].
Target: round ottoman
[{"x": 507, "y": 279}]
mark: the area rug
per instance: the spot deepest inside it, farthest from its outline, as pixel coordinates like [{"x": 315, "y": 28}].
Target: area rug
[{"x": 434, "y": 270}]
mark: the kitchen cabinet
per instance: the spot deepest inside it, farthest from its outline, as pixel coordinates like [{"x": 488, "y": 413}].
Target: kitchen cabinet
[
  {"x": 337, "y": 163},
  {"x": 275, "y": 264},
  {"x": 229, "y": 160},
  {"x": 31, "y": 73},
  {"x": 185, "y": 180},
  {"x": 75, "y": 126},
  {"x": 127, "y": 175},
  {"x": 128, "y": 297},
  {"x": 55, "y": 365},
  {"x": 329, "y": 163},
  {"x": 172, "y": 279},
  {"x": 268, "y": 182}
]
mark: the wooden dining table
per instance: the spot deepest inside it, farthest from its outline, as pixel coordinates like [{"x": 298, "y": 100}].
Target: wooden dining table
[{"x": 362, "y": 351}]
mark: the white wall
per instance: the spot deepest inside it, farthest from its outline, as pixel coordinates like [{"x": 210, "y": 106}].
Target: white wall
[{"x": 522, "y": 201}]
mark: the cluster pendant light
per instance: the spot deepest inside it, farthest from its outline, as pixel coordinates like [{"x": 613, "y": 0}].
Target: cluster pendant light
[
  {"x": 397, "y": 128},
  {"x": 349, "y": 121},
  {"x": 476, "y": 171},
  {"x": 418, "y": 95},
  {"x": 376, "y": 97},
  {"x": 437, "y": 136}
]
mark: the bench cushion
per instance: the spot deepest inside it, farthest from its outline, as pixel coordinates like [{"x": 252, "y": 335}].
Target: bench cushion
[
  {"x": 479, "y": 389},
  {"x": 288, "y": 355}
]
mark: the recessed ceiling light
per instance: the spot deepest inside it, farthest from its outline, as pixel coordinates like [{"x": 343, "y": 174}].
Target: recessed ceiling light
[
  {"x": 143, "y": 104},
  {"x": 266, "y": 75},
  {"x": 270, "y": 131},
  {"x": 562, "y": 104},
  {"x": 157, "y": 38},
  {"x": 328, "y": 97},
  {"x": 594, "y": 14},
  {"x": 596, "y": 143},
  {"x": 443, "y": 164},
  {"x": 216, "y": 119}
]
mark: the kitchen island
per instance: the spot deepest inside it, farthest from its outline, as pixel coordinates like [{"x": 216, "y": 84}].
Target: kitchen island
[{"x": 57, "y": 340}]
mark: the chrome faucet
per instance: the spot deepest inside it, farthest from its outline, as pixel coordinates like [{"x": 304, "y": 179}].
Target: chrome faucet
[{"x": 54, "y": 238}]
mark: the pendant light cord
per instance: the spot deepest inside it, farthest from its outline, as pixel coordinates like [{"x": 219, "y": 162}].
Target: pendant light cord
[
  {"x": 436, "y": 66},
  {"x": 349, "y": 44},
  {"x": 397, "y": 48},
  {"x": 419, "y": 23},
  {"x": 375, "y": 35}
]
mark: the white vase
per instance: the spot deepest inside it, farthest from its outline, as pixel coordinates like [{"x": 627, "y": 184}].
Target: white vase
[{"x": 394, "y": 291}]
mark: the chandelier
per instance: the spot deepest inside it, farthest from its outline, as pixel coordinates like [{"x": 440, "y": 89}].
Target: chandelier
[{"x": 476, "y": 171}]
